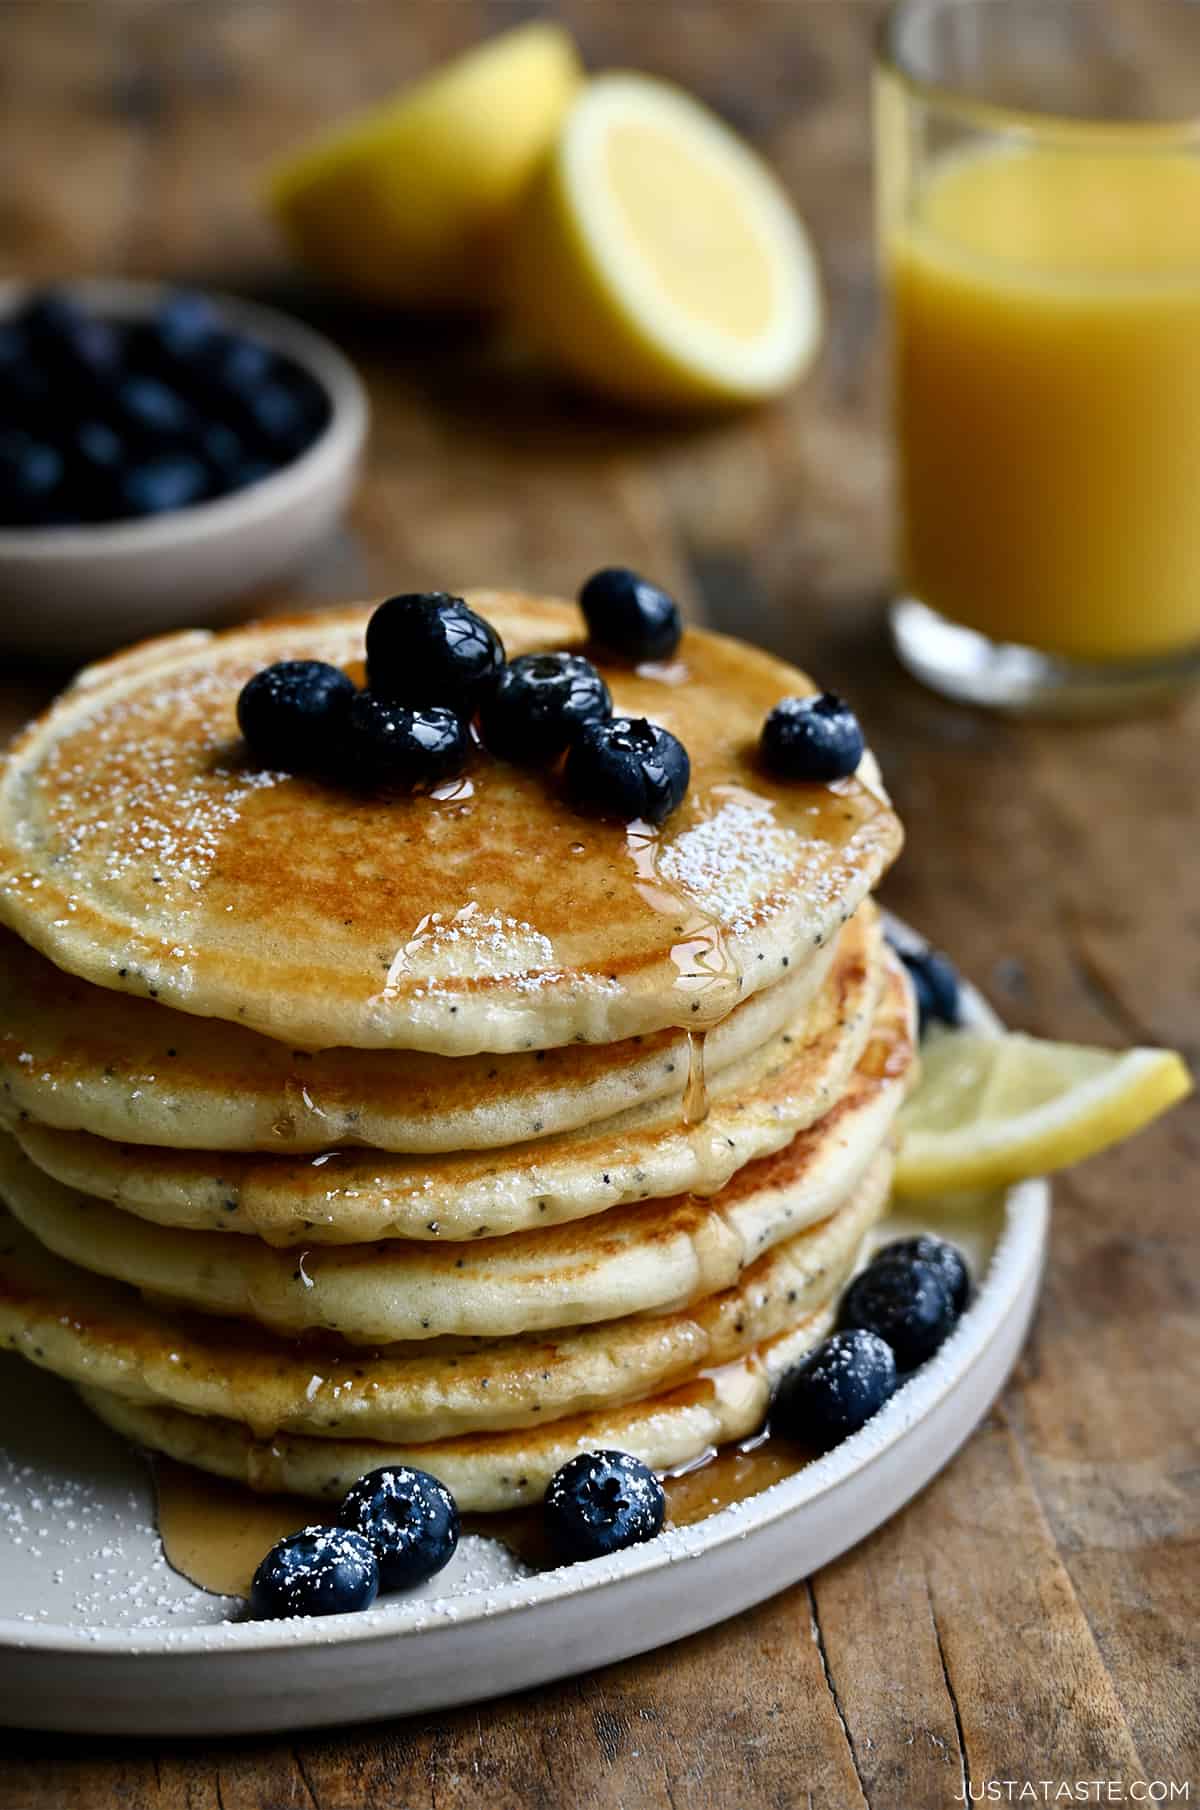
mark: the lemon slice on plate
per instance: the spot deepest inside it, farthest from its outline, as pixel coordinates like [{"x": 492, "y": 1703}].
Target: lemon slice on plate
[
  {"x": 991, "y": 1110},
  {"x": 656, "y": 257},
  {"x": 412, "y": 201}
]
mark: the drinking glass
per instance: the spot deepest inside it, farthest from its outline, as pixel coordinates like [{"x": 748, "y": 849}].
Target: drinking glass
[{"x": 1038, "y": 180}]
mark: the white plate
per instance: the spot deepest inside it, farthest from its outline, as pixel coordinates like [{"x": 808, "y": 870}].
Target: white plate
[{"x": 100, "y": 1636}]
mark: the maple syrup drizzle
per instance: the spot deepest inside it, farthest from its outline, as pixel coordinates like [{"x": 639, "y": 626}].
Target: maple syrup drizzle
[
  {"x": 695, "y": 1091},
  {"x": 216, "y": 1533},
  {"x": 706, "y": 974}
]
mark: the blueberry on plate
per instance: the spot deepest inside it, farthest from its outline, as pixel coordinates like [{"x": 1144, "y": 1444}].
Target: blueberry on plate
[
  {"x": 627, "y": 768},
  {"x": 946, "y": 1259},
  {"x": 409, "y": 1519},
  {"x": 599, "y": 1503},
  {"x": 630, "y": 616},
  {"x": 817, "y": 739},
  {"x": 835, "y": 1390},
  {"x": 389, "y": 744},
  {"x": 537, "y": 705},
  {"x": 318, "y": 1571},
  {"x": 935, "y": 983},
  {"x": 293, "y": 714},
  {"x": 426, "y": 647},
  {"x": 172, "y": 480},
  {"x": 906, "y": 1301}
]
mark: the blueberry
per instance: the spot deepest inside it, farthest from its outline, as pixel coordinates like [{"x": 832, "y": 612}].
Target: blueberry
[
  {"x": 68, "y": 340},
  {"x": 250, "y": 471},
  {"x": 389, "y": 744},
  {"x": 97, "y": 446},
  {"x": 152, "y": 409},
  {"x": 599, "y": 1503},
  {"x": 907, "y": 1302},
  {"x": 278, "y": 418},
  {"x": 409, "y": 1518},
  {"x": 630, "y": 616},
  {"x": 223, "y": 448},
  {"x": 835, "y": 1390},
  {"x": 426, "y": 647},
  {"x": 293, "y": 713},
  {"x": 14, "y": 346},
  {"x": 945, "y": 1258},
  {"x": 30, "y": 475},
  {"x": 318, "y": 1571},
  {"x": 812, "y": 738},
  {"x": 538, "y": 703},
  {"x": 935, "y": 983},
  {"x": 240, "y": 364},
  {"x": 26, "y": 398},
  {"x": 628, "y": 768},
  {"x": 95, "y": 459},
  {"x": 183, "y": 325},
  {"x": 170, "y": 481}
]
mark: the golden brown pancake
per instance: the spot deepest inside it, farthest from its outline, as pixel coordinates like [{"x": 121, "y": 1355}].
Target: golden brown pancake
[
  {"x": 632, "y": 1259},
  {"x": 83, "y": 1058},
  {"x": 348, "y": 1197},
  {"x": 487, "y": 1472},
  {"x": 141, "y": 849},
  {"x": 89, "y": 1330}
]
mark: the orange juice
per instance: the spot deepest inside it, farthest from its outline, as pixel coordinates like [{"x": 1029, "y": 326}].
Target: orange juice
[{"x": 1047, "y": 390}]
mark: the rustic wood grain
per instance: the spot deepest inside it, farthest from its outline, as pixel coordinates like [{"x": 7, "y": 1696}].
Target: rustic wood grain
[{"x": 1032, "y": 1614}]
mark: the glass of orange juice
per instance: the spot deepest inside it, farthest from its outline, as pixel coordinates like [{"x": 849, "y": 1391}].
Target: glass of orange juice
[{"x": 1038, "y": 167}]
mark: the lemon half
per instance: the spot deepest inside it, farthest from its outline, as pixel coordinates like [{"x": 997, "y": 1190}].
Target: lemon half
[
  {"x": 990, "y": 1111},
  {"x": 412, "y": 202},
  {"x": 656, "y": 257}
]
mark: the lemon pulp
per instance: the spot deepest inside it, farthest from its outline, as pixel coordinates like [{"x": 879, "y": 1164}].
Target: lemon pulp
[
  {"x": 656, "y": 257},
  {"x": 688, "y": 227},
  {"x": 990, "y": 1111}
]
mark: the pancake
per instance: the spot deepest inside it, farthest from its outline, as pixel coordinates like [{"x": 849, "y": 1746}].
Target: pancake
[
  {"x": 141, "y": 850},
  {"x": 628, "y": 1260},
  {"x": 82, "y": 1058},
  {"x": 344, "y": 1197},
  {"x": 487, "y": 1472},
  {"x": 104, "y": 1334}
]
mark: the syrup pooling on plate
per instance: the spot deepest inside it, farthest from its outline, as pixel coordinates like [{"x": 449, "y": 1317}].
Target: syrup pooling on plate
[{"x": 215, "y": 1532}]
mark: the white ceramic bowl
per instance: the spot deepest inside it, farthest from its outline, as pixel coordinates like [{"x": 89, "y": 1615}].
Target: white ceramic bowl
[{"x": 70, "y": 593}]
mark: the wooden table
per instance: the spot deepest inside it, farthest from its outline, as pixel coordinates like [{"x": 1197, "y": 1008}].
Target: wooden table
[{"x": 1031, "y": 1615}]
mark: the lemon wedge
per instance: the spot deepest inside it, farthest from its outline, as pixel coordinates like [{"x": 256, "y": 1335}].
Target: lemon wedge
[
  {"x": 657, "y": 258},
  {"x": 412, "y": 201},
  {"x": 989, "y": 1111}
]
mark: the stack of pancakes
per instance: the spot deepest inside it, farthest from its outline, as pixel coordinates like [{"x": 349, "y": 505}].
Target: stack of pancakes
[{"x": 455, "y": 1129}]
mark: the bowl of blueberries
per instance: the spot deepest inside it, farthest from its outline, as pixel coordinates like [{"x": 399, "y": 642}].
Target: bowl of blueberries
[{"x": 164, "y": 453}]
